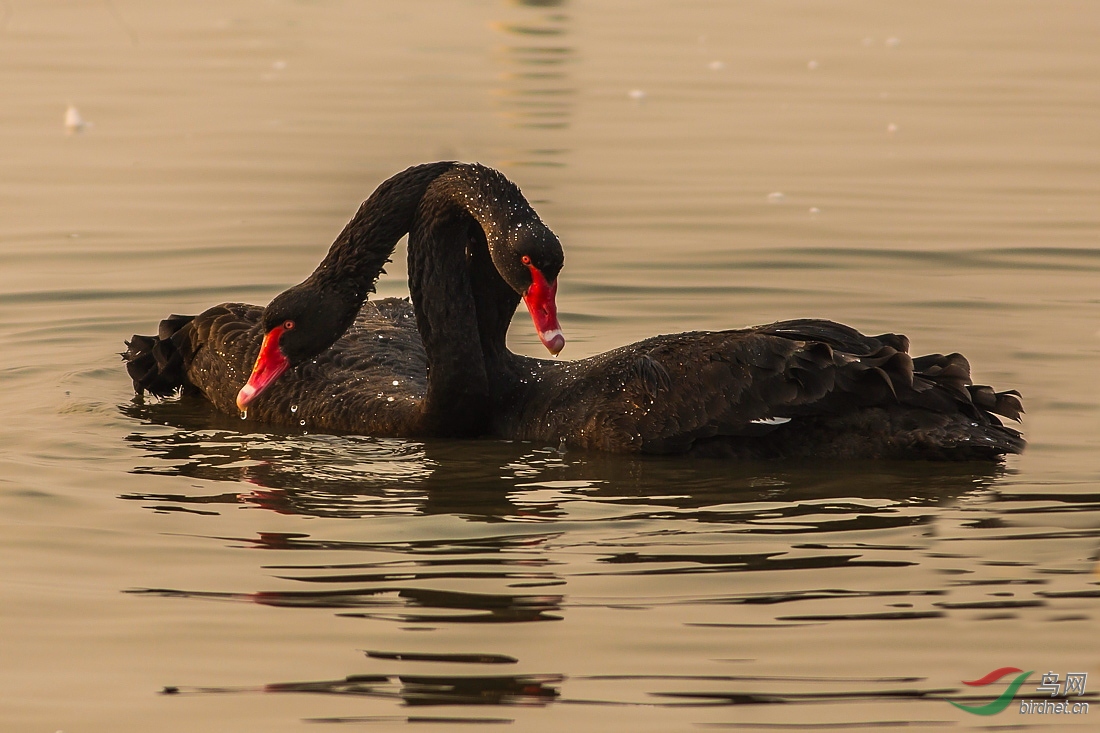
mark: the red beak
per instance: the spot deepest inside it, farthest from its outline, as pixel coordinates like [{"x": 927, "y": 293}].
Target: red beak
[
  {"x": 269, "y": 365},
  {"x": 539, "y": 299}
]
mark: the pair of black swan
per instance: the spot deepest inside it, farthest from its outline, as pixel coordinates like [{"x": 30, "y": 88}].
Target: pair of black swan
[{"x": 322, "y": 355}]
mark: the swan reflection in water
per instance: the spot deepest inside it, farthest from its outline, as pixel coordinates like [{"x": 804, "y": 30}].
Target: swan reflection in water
[
  {"x": 295, "y": 472},
  {"x": 633, "y": 517}
]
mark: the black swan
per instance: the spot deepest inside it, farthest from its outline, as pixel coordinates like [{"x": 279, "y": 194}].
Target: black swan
[{"x": 323, "y": 356}]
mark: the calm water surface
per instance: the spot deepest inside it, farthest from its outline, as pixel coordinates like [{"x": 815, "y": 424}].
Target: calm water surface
[{"x": 931, "y": 170}]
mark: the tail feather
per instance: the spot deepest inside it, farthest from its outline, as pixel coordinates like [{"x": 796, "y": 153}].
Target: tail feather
[
  {"x": 1009, "y": 404},
  {"x": 158, "y": 364},
  {"x": 952, "y": 374},
  {"x": 840, "y": 369}
]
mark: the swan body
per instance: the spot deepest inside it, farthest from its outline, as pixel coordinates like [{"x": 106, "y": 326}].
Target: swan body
[{"x": 438, "y": 365}]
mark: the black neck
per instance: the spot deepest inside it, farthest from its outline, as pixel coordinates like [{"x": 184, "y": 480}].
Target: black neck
[
  {"x": 494, "y": 300},
  {"x": 492, "y": 209},
  {"x": 363, "y": 248},
  {"x": 463, "y": 305},
  {"x": 442, "y": 294}
]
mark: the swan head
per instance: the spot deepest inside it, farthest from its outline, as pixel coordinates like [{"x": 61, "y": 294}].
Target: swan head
[
  {"x": 298, "y": 324},
  {"x": 529, "y": 261}
]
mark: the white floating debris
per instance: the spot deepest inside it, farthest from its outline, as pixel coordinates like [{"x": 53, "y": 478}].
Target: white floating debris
[
  {"x": 812, "y": 65},
  {"x": 891, "y": 128},
  {"x": 814, "y": 211},
  {"x": 636, "y": 94},
  {"x": 776, "y": 197},
  {"x": 893, "y": 41},
  {"x": 716, "y": 65},
  {"x": 772, "y": 421},
  {"x": 74, "y": 122}
]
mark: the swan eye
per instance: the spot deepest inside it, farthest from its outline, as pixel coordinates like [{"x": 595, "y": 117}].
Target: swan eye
[
  {"x": 288, "y": 325},
  {"x": 525, "y": 260}
]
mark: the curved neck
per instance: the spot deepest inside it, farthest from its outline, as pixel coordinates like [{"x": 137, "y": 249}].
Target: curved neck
[
  {"x": 463, "y": 305},
  {"x": 485, "y": 210},
  {"x": 361, "y": 251},
  {"x": 494, "y": 300}
]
